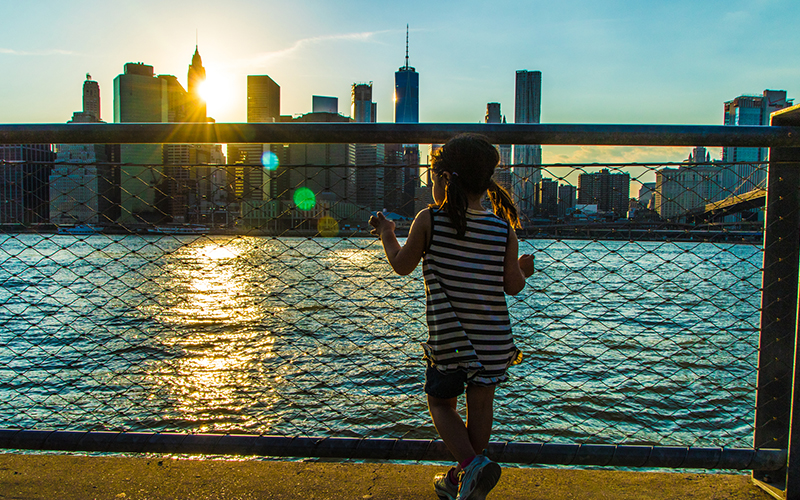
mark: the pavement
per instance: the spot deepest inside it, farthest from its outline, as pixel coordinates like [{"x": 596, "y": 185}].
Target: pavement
[{"x": 70, "y": 476}]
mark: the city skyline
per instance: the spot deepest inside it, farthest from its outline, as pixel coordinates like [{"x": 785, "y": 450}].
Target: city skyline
[{"x": 618, "y": 62}]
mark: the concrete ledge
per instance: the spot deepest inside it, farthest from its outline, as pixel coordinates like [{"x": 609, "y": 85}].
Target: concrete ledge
[{"x": 84, "y": 477}]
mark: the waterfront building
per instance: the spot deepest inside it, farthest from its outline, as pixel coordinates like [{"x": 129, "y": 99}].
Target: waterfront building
[
  {"x": 567, "y": 199},
  {"x": 140, "y": 97},
  {"x": 402, "y": 173},
  {"x": 692, "y": 185},
  {"x": 749, "y": 110},
  {"x": 527, "y": 157},
  {"x": 24, "y": 178},
  {"x": 609, "y": 191},
  {"x": 547, "y": 198},
  {"x": 367, "y": 176}
]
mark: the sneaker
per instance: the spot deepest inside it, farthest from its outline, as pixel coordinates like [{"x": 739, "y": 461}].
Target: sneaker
[
  {"x": 478, "y": 479},
  {"x": 443, "y": 487}
]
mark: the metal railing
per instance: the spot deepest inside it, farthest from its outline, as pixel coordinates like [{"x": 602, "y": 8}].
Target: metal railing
[{"x": 239, "y": 337}]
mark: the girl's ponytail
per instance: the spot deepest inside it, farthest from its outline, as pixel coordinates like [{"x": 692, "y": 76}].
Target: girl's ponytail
[
  {"x": 456, "y": 202},
  {"x": 503, "y": 204}
]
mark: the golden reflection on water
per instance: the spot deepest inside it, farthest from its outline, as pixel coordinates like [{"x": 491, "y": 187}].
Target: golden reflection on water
[{"x": 213, "y": 329}]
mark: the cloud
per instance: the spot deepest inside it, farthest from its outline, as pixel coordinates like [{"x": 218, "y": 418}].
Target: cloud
[
  {"x": 265, "y": 57},
  {"x": 50, "y": 52},
  {"x": 614, "y": 154}
]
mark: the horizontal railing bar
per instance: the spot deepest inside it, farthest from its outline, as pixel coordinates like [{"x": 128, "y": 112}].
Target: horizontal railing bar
[
  {"x": 392, "y": 449},
  {"x": 399, "y": 133}
]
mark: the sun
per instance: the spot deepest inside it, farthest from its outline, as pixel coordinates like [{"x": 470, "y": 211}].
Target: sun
[{"x": 216, "y": 92}]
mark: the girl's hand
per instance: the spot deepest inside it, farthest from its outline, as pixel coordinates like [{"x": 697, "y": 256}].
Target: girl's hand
[
  {"x": 526, "y": 265},
  {"x": 380, "y": 224}
]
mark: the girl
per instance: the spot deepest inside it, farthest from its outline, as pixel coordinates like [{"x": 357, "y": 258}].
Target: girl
[{"x": 469, "y": 261}]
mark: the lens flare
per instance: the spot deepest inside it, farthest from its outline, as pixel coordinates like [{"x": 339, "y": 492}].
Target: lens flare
[
  {"x": 328, "y": 227},
  {"x": 304, "y": 198},
  {"x": 269, "y": 160}
]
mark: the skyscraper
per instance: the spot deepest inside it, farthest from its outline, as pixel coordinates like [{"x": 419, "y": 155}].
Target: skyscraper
[
  {"x": 263, "y": 99},
  {"x": 527, "y": 109},
  {"x": 140, "y": 97},
  {"x": 502, "y": 174},
  {"x": 197, "y": 111},
  {"x": 368, "y": 176},
  {"x": 91, "y": 97},
  {"x": 406, "y": 92},
  {"x": 84, "y": 182},
  {"x": 249, "y": 179},
  {"x": 402, "y": 173}
]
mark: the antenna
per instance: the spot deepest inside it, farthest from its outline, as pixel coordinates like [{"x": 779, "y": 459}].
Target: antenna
[
  {"x": 196, "y": 37},
  {"x": 406, "y": 46}
]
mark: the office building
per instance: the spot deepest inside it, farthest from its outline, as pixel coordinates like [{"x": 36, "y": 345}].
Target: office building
[
  {"x": 610, "y": 192},
  {"x": 248, "y": 178},
  {"x": 527, "y": 157},
  {"x": 324, "y": 104},
  {"x": 547, "y": 199},
  {"x": 24, "y": 177},
  {"x": 567, "y": 199},
  {"x": 406, "y": 92},
  {"x": 402, "y": 172},
  {"x": 84, "y": 181},
  {"x": 263, "y": 99},
  {"x": 502, "y": 174},
  {"x": 693, "y": 185},
  {"x": 140, "y": 97},
  {"x": 749, "y": 110},
  {"x": 367, "y": 176}
]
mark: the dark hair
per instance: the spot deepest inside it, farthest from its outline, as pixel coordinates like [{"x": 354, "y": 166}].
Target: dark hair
[{"x": 471, "y": 159}]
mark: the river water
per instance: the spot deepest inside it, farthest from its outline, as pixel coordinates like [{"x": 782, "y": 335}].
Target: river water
[{"x": 624, "y": 342}]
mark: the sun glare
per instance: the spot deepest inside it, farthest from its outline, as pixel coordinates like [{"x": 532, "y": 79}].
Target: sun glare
[{"x": 217, "y": 95}]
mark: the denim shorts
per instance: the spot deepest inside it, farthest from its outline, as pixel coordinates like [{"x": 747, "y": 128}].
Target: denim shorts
[{"x": 445, "y": 385}]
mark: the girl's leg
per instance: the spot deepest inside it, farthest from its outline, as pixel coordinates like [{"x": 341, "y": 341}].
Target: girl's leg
[
  {"x": 480, "y": 401},
  {"x": 450, "y": 427}
]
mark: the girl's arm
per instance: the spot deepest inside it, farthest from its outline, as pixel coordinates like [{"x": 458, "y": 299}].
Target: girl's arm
[
  {"x": 403, "y": 259},
  {"x": 515, "y": 270}
]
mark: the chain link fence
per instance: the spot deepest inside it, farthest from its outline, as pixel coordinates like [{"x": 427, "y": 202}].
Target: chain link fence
[{"x": 250, "y": 299}]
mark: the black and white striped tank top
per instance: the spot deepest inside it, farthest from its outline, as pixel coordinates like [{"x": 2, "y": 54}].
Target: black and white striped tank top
[{"x": 466, "y": 305}]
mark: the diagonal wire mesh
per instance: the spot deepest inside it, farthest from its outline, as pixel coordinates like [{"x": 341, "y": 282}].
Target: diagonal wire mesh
[{"x": 244, "y": 298}]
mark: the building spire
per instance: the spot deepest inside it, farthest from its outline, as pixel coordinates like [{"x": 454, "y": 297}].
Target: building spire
[{"x": 406, "y": 45}]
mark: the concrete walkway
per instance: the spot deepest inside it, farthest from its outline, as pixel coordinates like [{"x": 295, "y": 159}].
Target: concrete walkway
[{"x": 70, "y": 477}]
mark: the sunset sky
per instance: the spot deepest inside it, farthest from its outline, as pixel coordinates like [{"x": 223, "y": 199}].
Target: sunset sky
[{"x": 625, "y": 61}]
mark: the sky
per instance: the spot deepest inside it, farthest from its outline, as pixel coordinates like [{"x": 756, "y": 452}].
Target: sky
[{"x": 615, "y": 62}]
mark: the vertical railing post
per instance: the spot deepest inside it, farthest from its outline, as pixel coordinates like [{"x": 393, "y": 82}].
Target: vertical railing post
[{"x": 777, "y": 419}]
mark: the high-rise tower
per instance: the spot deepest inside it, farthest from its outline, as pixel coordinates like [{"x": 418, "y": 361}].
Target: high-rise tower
[
  {"x": 91, "y": 97},
  {"x": 140, "y": 97},
  {"x": 401, "y": 180},
  {"x": 527, "y": 157},
  {"x": 406, "y": 92},
  {"x": 528, "y": 109},
  {"x": 196, "y": 111},
  {"x": 368, "y": 180}
]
